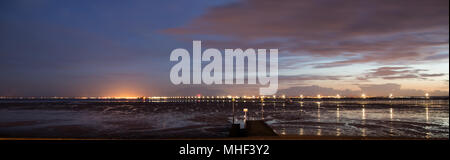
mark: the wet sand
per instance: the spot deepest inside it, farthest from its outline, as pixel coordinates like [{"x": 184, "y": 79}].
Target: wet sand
[
  {"x": 234, "y": 138},
  {"x": 212, "y": 120}
]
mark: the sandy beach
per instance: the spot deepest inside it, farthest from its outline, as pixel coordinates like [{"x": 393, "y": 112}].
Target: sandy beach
[{"x": 310, "y": 120}]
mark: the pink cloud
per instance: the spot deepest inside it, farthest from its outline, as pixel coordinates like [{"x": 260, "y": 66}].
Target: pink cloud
[{"x": 381, "y": 31}]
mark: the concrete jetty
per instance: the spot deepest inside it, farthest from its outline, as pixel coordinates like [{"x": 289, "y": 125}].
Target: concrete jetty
[{"x": 253, "y": 128}]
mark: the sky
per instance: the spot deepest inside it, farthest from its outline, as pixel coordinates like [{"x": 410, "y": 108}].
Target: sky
[{"x": 122, "y": 48}]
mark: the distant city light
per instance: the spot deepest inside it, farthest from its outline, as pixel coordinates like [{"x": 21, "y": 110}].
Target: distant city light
[{"x": 391, "y": 96}]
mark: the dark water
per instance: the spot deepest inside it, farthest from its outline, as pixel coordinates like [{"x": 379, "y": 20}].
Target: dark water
[{"x": 80, "y": 119}]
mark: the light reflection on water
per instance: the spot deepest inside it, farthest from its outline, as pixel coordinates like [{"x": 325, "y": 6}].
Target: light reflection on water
[
  {"x": 195, "y": 119},
  {"x": 372, "y": 120}
]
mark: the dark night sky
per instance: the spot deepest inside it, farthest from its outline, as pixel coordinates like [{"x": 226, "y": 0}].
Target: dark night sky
[{"x": 118, "y": 48}]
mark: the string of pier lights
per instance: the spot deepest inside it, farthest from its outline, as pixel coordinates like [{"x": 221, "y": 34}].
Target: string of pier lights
[
  {"x": 319, "y": 96},
  {"x": 391, "y": 96},
  {"x": 235, "y": 97}
]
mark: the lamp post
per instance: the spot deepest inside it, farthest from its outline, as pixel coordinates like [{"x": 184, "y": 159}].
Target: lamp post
[
  {"x": 245, "y": 117},
  {"x": 232, "y": 103},
  {"x": 245, "y": 114}
]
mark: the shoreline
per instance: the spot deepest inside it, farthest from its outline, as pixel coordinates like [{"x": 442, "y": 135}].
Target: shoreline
[{"x": 268, "y": 138}]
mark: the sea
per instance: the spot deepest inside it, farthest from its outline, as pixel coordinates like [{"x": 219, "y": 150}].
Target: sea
[{"x": 212, "y": 118}]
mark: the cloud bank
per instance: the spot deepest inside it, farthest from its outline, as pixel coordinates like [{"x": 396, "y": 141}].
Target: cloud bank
[{"x": 379, "y": 31}]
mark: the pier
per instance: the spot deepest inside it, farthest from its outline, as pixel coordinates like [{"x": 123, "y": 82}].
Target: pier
[{"x": 253, "y": 128}]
